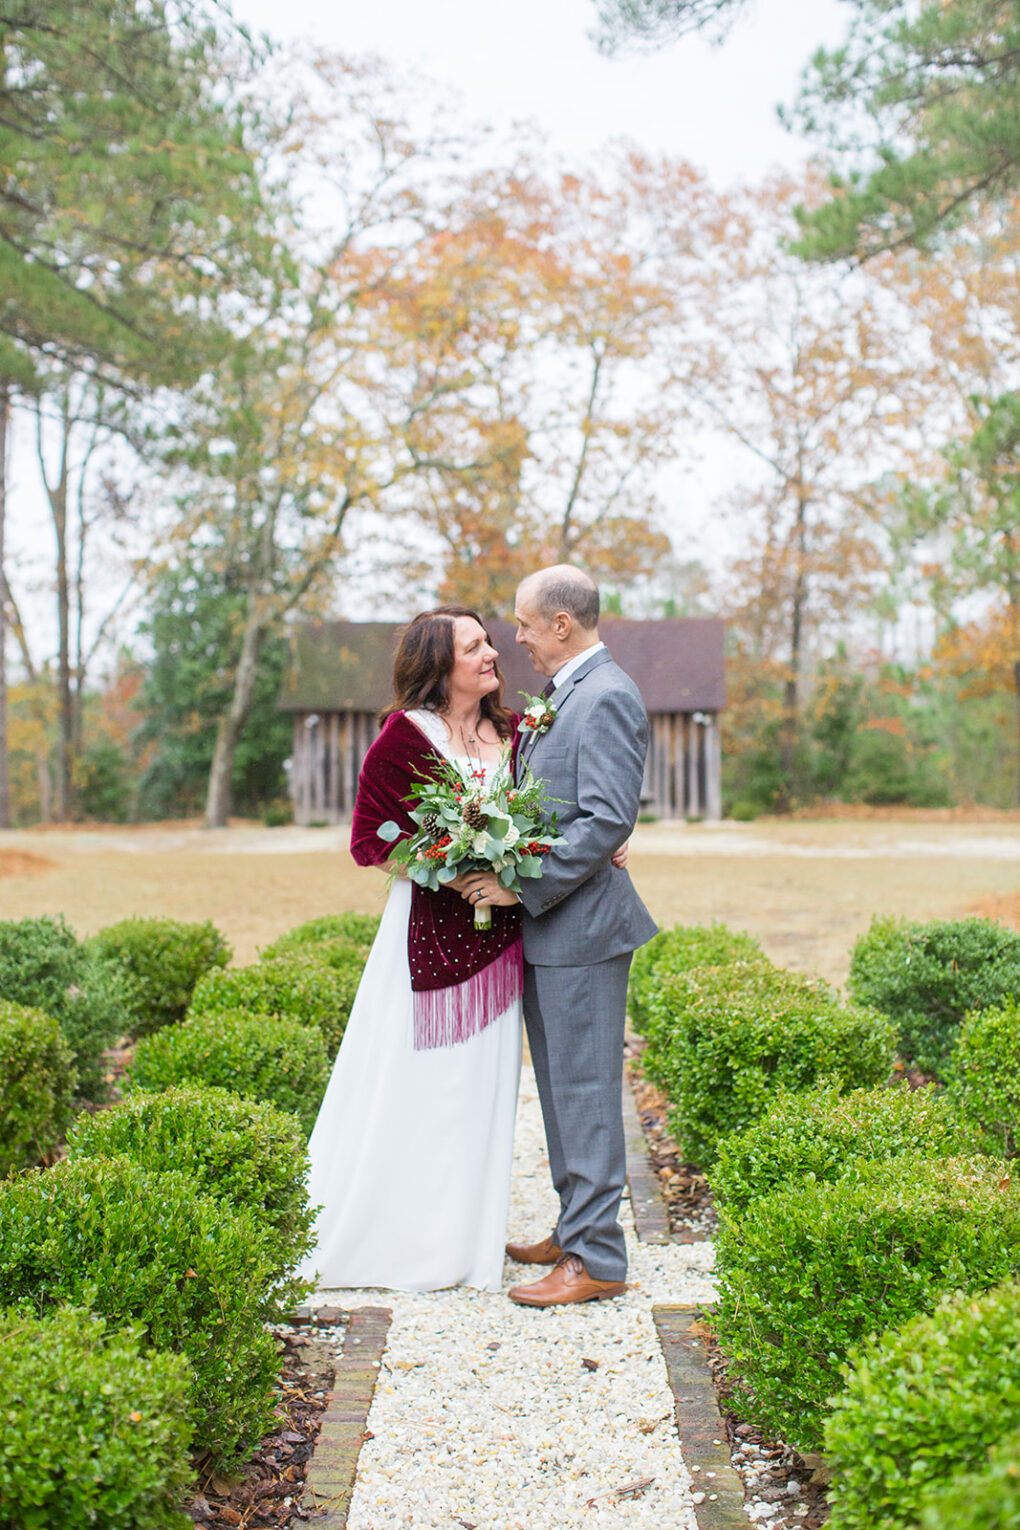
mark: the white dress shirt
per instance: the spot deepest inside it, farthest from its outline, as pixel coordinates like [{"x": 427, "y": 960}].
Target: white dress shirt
[{"x": 565, "y": 671}]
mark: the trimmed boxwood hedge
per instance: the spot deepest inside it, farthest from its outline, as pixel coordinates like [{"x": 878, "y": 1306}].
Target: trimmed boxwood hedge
[
  {"x": 806, "y": 1277},
  {"x": 44, "y": 966},
  {"x": 721, "y": 1040},
  {"x": 679, "y": 950},
  {"x": 922, "y": 1403},
  {"x": 926, "y": 977},
  {"x": 152, "y": 1249},
  {"x": 357, "y": 929},
  {"x": 822, "y": 1134},
  {"x": 293, "y": 987},
  {"x": 37, "y": 1079},
  {"x": 987, "y": 1498},
  {"x": 263, "y": 1058},
  {"x": 162, "y": 960},
  {"x": 242, "y": 1151},
  {"x": 983, "y": 1075},
  {"x": 94, "y": 1431}
]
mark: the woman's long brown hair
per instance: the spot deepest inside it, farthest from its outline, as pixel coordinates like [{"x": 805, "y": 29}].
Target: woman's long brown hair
[{"x": 424, "y": 663}]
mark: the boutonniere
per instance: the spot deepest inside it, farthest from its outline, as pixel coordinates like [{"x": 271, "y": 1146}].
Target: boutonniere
[{"x": 538, "y": 717}]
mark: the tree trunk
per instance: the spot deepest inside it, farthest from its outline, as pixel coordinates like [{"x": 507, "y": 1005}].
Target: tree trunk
[
  {"x": 791, "y": 691},
  {"x": 217, "y": 803},
  {"x": 56, "y": 493},
  {"x": 5, "y": 784}
]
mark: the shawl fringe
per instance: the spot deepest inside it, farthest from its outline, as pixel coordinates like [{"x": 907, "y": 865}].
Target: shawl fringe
[{"x": 443, "y": 1017}]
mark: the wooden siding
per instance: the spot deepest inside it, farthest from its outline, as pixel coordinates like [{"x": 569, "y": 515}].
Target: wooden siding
[{"x": 682, "y": 775}]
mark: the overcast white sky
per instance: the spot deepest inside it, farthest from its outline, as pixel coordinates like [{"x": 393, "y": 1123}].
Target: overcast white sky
[{"x": 534, "y": 60}]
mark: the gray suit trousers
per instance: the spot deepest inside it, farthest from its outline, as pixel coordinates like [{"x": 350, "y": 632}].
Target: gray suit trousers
[{"x": 575, "y": 1020}]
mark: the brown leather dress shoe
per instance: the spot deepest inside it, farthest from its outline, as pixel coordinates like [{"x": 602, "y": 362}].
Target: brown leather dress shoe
[
  {"x": 568, "y": 1281},
  {"x": 545, "y": 1252}
]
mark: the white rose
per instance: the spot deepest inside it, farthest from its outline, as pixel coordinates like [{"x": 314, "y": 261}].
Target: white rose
[
  {"x": 479, "y": 842},
  {"x": 511, "y": 836}
]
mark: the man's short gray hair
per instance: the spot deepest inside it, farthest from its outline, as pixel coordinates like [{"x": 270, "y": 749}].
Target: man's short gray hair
[{"x": 563, "y": 588}]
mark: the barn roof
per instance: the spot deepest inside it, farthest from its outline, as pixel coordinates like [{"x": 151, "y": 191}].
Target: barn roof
[{"x": 677, "y": 663}]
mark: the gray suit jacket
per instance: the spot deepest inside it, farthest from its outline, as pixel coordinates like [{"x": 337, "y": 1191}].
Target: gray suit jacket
[{"x": 583, "y": 910}]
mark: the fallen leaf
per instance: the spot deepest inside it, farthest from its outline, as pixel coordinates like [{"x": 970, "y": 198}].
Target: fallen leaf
[{"x": 590, "y": 1365}]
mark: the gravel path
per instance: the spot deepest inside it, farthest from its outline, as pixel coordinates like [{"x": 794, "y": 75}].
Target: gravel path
[{"x": 486, "y": 1415}]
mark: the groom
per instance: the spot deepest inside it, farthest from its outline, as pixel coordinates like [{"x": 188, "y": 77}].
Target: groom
[{"x": 582, "y": 922}]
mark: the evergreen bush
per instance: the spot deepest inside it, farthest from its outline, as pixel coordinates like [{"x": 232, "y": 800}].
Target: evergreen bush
[
  {"x": 37, "y": 1081},
  {"x": 927, "y": 976},
  {"x": 987, "y": 1498},
  {"x": 922, "y": 1403},
  {"x": 162, "y": 959},
  {"x": 258, "y": 1056},
  {"x": 679, "y": 950},
  {"x": 359, "y": 929},
  {"x": 721, "y": 1041},
  {"x": 293, "y": 987},
  {"x": 44, "y": 966},
  {"x": 821, "y": 1134},
  {"x": 151, "y": 1249},
  {"x": 243, "y": 1151},
  {"x": 806, "y": 1276},
  {"x": 94, "y": 1432},
  {"x": 984, "y": 1076}
]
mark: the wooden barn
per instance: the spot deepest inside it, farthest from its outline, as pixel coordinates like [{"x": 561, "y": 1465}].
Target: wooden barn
[{"x": 339, "y": 678}]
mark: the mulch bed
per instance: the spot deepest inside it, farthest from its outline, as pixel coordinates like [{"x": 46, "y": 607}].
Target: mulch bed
[
  {"x": 268, "y": 1490},
  {"x": 773, "y": 1473},
  {"x": 684, "y": 1187}
]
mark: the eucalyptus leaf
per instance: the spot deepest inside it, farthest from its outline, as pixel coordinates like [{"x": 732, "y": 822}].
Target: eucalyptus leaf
[{"x": 388, "y": 831}]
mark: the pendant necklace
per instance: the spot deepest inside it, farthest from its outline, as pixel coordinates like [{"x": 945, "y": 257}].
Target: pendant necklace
[{"x": 468, "y": 739}]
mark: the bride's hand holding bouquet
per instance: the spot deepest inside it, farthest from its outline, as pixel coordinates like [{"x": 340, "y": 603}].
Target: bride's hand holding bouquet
[{"x": 466, "y": 826}]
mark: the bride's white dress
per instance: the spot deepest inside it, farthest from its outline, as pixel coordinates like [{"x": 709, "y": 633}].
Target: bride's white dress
[{"x": 411, "y": 1152}]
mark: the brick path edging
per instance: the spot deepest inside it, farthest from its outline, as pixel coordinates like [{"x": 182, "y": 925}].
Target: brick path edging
[
  {"x": 651, "y": 1220},
  {"x": 699, "y": 1423},
  {"x": 329, "y": 1481}
]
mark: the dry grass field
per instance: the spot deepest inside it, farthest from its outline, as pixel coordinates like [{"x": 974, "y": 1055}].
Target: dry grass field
[{"x": 806, "y": 888}]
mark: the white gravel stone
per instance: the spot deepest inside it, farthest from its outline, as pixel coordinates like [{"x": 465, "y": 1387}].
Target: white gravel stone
[{"x": 523, "y": 1436}]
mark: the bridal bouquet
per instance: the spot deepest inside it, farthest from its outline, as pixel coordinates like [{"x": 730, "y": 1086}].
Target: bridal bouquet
[{"x": 464, "y": 825}]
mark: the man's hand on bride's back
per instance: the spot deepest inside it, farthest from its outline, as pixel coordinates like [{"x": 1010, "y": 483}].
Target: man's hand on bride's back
[{"x": 620, "y": 858}]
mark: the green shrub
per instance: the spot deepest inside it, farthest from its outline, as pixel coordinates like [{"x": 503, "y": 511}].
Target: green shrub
[
  {"x": 93, "y": 1432},
  {"x": 985, "y": 1499},
  {"x": 37, "y": 1080},
  {"x": 984, "y": 1077},
  {"x": 921, "y": 1403},
  {"x": 821, "y": 1134},
  {"x": 927, "y": 976},
  {"x": 295, "y": 987},
  {"x": 806, "y": 1276},
  {"x": 243, "y": 1151},
  {"x": 44, "y": 966},
  {"x": 258, "y": 1056},
  {"x": 163, "y": 959},
  {"x": 359, "y": 929},
  {"x": 721, "y": 1040},
  {"x": 150, "y": 1248},
  {"x": 679, "y": 950}
]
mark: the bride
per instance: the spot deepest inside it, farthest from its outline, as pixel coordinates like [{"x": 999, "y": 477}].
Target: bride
[{"x": 412, "y": 1148}]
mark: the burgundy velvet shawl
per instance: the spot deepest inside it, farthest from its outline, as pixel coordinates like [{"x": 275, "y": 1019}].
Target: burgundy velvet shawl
[{"x": 461, "y": 978}]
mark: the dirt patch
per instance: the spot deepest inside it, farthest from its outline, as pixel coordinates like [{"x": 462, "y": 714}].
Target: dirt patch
[
  {"x": 862, "y": 812},
  {"x": 1005, "y": 908},
  {"x": 23, "y": 863}
]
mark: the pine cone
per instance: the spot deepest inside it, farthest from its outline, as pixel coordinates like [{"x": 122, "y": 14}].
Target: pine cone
[
  {"x": 430, "y": 823},
  {"x": 473, "y": 815}
]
